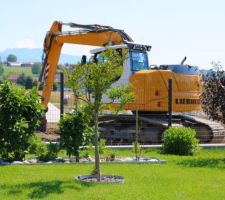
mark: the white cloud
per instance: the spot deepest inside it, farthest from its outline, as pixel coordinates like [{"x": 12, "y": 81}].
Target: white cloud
[{"x": 25, "y": 43}]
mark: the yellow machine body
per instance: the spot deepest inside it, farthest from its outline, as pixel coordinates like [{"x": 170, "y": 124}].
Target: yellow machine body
[{"x": 151, "y": 91}]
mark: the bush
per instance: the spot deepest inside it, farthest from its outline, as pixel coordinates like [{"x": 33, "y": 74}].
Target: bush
[
  {"x": 53, "y": 150},
  {"x": 41, "y": 86},
  {"x": 29, "y": 82},
  {"x": 21, "y": 80},
  {"x": 34, "y": 143},
  {"x": 26, "y": 81},
  {"x": 47, "y": 152},
  {"x": 73, "y": 128},
  {"x": 55, "y": 86},
  {"x": 102, "y": 147},
  {"x": 88, "y": 151},
  {"x": 112, "y": 156},
  {"x": 136, "y": 149},
  {"x": 180, "y": 141},
  {"x": 20, "y": 112}
]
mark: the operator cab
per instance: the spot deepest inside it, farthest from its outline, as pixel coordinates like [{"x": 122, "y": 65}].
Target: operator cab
[
  {"x": 137, "y": 60},
  {"x": 137, "y": 56}
]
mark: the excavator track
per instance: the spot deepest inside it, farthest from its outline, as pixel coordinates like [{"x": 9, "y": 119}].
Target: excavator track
[
  {"x": 217, "y": 130},
  {"x": 121, "y": 129}
]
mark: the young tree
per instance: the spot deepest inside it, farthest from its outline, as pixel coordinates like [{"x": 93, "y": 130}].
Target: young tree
[
  {"x": 97, "y": 79},
  {"x": 11, "y": 58},
  {"x": 213, "y": 96}
]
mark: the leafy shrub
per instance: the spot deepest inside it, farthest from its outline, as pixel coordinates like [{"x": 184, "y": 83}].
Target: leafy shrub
[
  {"x": 47, "y": 152},
  {"x": 29, "y": 82},
  {"x": 20, "y": 111},
  {"x": 41, "y": 86},
  {"x": 180, "y": 141},
  {"x": 112, "y": 156},
  {"x": 86, "y": 154},
  {"x": 41, "y": 152},
  {"x": 137, "y": 150},
  {"x": 53, "y": 150},
  {"x": 73, "y": 129},
  {"x": 21, "y": 80},
  {"x": 34, "y": 143},
  {"x": 102, "y": 147},
  {"x": 26, "y": 81},
  {"x": 88, "y": 151}
]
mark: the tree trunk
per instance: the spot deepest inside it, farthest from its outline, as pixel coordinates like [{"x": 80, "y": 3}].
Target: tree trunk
[
  {"x": 97, "y": 159},
  {"x": 77, "y": 157}
]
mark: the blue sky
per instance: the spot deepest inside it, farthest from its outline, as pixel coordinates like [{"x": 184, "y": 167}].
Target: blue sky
[{"x": 175, "y": 28}]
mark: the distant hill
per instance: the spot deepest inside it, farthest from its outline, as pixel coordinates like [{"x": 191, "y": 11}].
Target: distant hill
[{"x": 35, "y": 55}]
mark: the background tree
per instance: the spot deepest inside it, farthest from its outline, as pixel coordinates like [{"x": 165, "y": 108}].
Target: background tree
[
  {"x": 213, "y": 96},
  {"x": 21, "y": 80},
  {"x": 1, "y": 69},
  {"x": 26, "y": 81},
  {"x": 97, "y": 79},
  {"x": 11, "y": 58},
  {"x": 29, "y": 82},
  {"x": 36, "y": 68}
]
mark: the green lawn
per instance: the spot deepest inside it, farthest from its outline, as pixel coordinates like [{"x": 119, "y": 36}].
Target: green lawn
[
  {"x": 17, "y": 70},
  {"x": 198, "y": 177}
]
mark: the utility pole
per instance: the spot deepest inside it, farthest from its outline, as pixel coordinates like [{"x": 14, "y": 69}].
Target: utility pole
[
  {"x": 61, "y": 94},
  {"x": 170, "y": 101}
]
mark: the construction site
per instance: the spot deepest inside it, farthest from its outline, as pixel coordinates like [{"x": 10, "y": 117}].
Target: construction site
[
  {"x": 158, "y": 104},
  {"x": 121, "y": 100}
]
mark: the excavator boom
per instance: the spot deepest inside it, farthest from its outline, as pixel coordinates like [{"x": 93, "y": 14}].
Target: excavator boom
[{"x": 94, "y": 35}]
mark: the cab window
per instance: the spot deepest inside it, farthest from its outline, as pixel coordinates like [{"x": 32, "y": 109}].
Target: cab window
[
  {"x": 100, "y": 58},
  {"x": 139, "y": 60}
]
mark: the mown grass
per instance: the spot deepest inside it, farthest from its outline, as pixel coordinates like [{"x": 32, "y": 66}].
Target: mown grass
[
  {"x": 17, "y": 70},
  {"x": 183, "y": 177}
]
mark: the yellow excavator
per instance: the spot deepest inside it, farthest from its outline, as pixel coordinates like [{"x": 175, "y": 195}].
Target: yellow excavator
[{"x": 150, "y": 85}]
